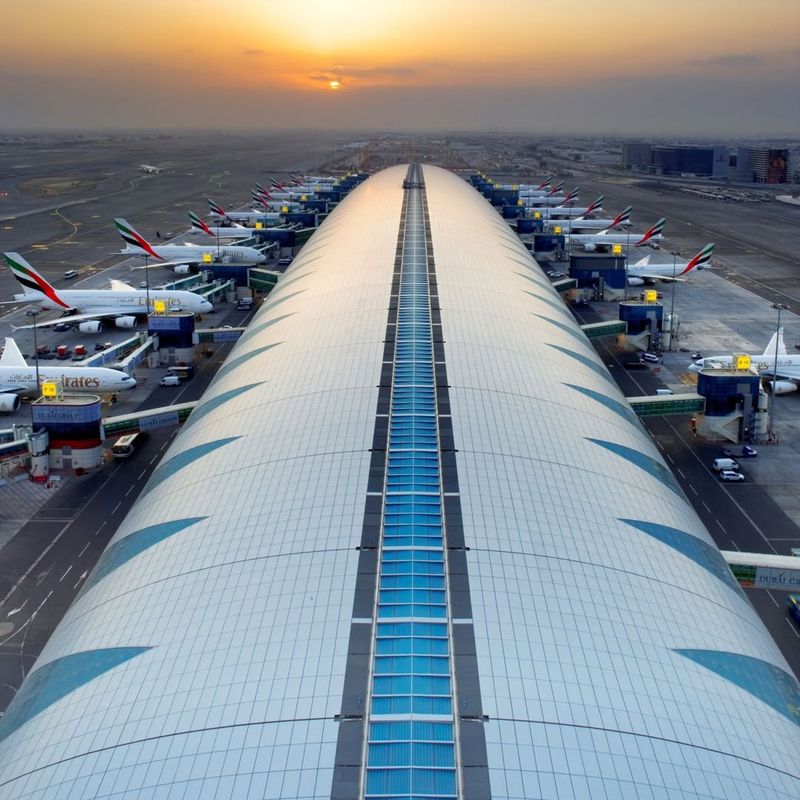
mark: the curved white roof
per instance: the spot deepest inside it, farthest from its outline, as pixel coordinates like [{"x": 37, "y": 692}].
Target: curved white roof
[{"x": 206, "y": 655}]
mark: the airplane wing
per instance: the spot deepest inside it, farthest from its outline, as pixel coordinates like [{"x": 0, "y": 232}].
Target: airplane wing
[
  {"x": 71, "y": 318},
  {"x": 10, "y": 388},
  {"x": 120, "y": 286}
]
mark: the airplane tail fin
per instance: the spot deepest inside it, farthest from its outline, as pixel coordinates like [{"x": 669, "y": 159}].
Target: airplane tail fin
[
  {"x": 216, "y": 208},
  {"x": 700, "y": 260},
  {"x": 11, "y": 355},
  {"x": 545, "y": 183},
  {"x": 573, "y": 195},
  {"x": 259, "y": 198},
  {"x": 595, "y": 205},
  {"x": 274, "y": 184},
  {"x": 556, "y": 189},
  {"x": 30, "y": 279},
  {"x": 199, "y": 224},
  {"x": 131, "y": 237},
  {"x": 652, "y": 233},
  {"x": 776, "y": 341},
  {"x": 623, "y": 216}
]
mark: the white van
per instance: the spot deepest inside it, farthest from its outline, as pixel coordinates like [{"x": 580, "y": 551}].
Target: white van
[
  {"x": 664, "y": 392},
  {"x": 170, "y": 380},
  {"x": 719, "y": 464}
]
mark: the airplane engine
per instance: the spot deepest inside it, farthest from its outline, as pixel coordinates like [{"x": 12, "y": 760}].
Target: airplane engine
[
  {"x": 182, "y": 269},
  {"x": 589, "y": 247},
  {"x": 93, "y": 326},
  {"x": 635, "y": 282},
  {"x": 783, "y": 387},
  {"x": 9, "y": 403},
  {"x": 125, "y": 322}
]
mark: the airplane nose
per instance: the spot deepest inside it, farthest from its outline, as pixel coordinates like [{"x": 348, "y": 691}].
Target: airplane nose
[
  {"x": 694, "y": 367},
  {"x": 206, "y": 307},
  {"x": 130, "y": 384}
]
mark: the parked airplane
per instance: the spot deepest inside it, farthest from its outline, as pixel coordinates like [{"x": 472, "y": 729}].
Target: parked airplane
[
  {"x": 266, "y": 217},
  {"x": 137, "y": 245},
  {"x": 557, "y": 212},
  {"x": 787, "y": 376},
  {"x": 542, "y": 191},
  {"x": 17, "y": 378},
  {"x": 642, "y": 271},
  {"x": 87, "y": 307},
  {"x": 150, "y": 169},
  {"x": 577, "y": 224},
  {"x": 603, "y": 240},
  {"x": 281, "y": 193},
  {"x": 273, "y": 206},
  {"x": 550, "y": 201},
  {"x": 230, "y": 232}
]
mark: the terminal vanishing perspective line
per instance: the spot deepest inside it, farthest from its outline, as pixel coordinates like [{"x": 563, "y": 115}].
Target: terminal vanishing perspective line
[{"x": 411, "y": 724}]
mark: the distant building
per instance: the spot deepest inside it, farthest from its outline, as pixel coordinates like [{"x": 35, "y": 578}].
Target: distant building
[
  {"x": 636, "y": 154},
  {"x": 763, "y": 165},
  {"x": 676, "y": 159}
]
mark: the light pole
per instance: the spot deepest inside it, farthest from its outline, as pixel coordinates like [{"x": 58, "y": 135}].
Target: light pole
[
  {"x": 32, "y": 312},
  {"x": 778, "y": 307},
  {"x": 672, "y": 301}
]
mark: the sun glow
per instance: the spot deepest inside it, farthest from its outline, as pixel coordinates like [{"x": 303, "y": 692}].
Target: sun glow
[{"x": 335, "y": 85}]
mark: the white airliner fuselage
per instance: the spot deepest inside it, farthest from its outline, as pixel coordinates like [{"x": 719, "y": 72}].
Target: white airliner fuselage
[{"x": 195, "y": 253}]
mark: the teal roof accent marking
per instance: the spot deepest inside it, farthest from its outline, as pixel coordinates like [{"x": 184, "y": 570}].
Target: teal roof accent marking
[
  {"x": 649, "y": 465},
  {"x": 123, "y": 550},
  {"x": 587, "y": 362},
  {"x": 555, "y": 305},
  {"x": 235, "y": 362},
  {"x": 763, "y": 680},
  {"x": 702, "y": 553},
  {"x": 178, "y": 462},
  {"x": 200, "y": 411},
  {"x": 263, "y": 326},
  {"x": 50, "y": 683},
  {"x": 577, "y": 335},
  {"x": 612, "y": 405},
  {"x": 292, "y": 278}
]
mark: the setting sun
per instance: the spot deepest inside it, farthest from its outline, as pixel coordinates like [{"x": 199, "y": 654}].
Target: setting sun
[{"x": 334, "y": 85}]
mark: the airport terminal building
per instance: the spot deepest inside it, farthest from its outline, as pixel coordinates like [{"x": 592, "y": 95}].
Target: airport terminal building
[{"x": 412, "y": 544}]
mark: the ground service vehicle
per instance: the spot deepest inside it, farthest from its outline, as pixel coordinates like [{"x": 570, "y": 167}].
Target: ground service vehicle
[
  {"x": 170, "y": 380},
  {"x": 125, "y": 445},
  {"x": 793, "y": 601},
  {"x": 719, "y": 464},
  {"x": 730, "y": 475}
]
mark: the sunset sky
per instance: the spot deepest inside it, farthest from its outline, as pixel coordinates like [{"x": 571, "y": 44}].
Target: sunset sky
[{"x": 686, "y": 66}]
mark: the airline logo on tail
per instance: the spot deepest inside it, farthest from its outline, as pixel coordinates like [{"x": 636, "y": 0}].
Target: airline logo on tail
[
  {"x": 199, "y": 224},
  {"x": 545, "y": 183},
  {"x": 594, "y": 206},
  {"x": 216, "y": 208},
  {"x": 700, "y": 260},
  {"x": 259, "y": 198},
  {"x": 31, "y": 279},
  {"x": 653, "y": 233},
  {"x": 573, "y": 195},
  {"x": 274, "y": 184},
  {"x": 132, "y": 238},
  {"x": 623, "y": 216},
  {"x": 556, "y": 189}
]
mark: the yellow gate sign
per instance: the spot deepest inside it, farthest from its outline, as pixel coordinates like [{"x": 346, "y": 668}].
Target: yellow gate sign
[
  {"x": 50, "y": 388},
  {"x": 207, "y": 258},
  {"x": 650, "y": 296},
  {"x": 741, "y": 361},
  {"x": 616, "y": 249},
  {"x": 160, "y": 306}
]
